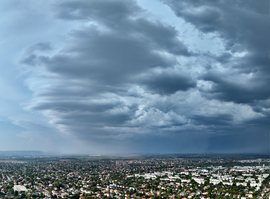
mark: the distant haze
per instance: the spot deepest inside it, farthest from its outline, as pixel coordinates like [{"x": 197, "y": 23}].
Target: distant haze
[{"x": 21, "y": 153}]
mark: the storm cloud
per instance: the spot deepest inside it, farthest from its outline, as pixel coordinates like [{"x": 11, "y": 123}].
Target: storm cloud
[{"x": 124, "y": 76}]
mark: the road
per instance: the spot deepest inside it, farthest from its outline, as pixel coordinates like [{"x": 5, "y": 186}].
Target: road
[{"x": 264, "y": 186}]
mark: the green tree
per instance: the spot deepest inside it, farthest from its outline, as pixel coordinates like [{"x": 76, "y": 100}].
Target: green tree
[{"x": 76, "y": 196}]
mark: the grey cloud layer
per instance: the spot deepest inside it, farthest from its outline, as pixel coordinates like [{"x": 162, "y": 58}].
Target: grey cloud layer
[
  {"x": 244, "y": 28},
  {"x": 120, "y": 75}
]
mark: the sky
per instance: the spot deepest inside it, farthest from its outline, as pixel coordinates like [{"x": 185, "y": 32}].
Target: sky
[{"x": 135, "y": 77}]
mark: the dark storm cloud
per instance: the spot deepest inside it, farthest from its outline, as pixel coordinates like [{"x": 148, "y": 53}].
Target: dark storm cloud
[
  {"x": 121, "y": 75},
  {"x": 105, "y": 11},
  {"x": 90, "y": 120},
  {"x": 30, "y": 58},
  {"x": 163, "y": 37},
  {"x": 124, "y": 20},
  {"x": 114, "y": 56},
  {"x": 215, "y": 120},
  {"x": 168, "y": 83},
  {"x": 105, "y": 58},
  {"x": 224, "y": 58},
  {"x": 75, "y": 106},
  {"x": 244, "y": 28},
  {"x": 88, "y": 114},
  {"x": 225, "y": 89},
  {"x": 101, "y": 62}
]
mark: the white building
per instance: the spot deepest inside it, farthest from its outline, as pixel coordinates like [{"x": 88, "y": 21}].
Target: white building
[
  {"x": 215, "y": 181},
  {"x": 19, "y": 188},
  {"x": 198, "y": 180}
]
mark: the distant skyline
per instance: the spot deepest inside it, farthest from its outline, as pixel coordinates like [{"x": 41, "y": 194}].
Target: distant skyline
[{"x": 137, "y": 76}]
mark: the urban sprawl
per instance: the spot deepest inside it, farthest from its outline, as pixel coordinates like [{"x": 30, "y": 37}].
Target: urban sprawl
[{"x": 135, "y": 178}]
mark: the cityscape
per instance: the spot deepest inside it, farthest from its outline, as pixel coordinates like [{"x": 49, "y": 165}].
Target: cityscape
[{"x": 156, "y": 176}]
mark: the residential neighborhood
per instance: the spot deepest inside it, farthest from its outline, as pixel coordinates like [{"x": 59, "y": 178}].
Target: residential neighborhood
[{"x": 135, "y": 178}]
